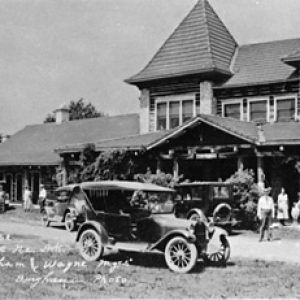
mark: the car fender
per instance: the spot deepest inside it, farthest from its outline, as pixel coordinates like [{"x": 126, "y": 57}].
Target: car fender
[
  {"x": 95, "y": 226},
  {"x": 199, "y": 212},
  {"x": 222, "y": 206},
  {"x": 219, "y": 236},
  {"x": 162, "y": 242}
]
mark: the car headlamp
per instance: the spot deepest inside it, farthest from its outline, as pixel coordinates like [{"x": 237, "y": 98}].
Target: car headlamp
[
  {"x": 192, "y": 226},
  {"x": 210, "y": 227}
]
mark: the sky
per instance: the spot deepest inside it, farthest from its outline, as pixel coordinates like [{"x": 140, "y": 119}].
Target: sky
[{"x": 55, "y": 51}]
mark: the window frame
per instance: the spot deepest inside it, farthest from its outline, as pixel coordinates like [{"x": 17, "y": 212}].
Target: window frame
[
  {"x": 174, "y": 98},
  {"x": 285, "y": 97},
  {"x": 233, "y": 101},
  {"x": 258, "y": 99}
]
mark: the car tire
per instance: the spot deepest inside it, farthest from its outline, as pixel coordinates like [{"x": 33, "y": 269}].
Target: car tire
[
  {"x": 180, "y": 255},
  {"x": 90, "y": 245},
  {"x": 69, "y": 222},
  {"x": 45, "y": 219},
  {"x": 221, "y": 256}
]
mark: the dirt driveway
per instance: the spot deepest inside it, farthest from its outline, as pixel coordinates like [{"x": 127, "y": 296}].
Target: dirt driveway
[{"x": 242, "y": 245}]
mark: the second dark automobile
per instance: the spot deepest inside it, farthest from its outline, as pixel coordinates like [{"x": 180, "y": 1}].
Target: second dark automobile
[
  {"x": 136, "y": 217},
  {"x": 212, "y": 200}
]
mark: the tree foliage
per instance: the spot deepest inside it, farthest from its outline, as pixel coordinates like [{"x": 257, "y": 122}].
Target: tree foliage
[
  {"x": 162, "y": 179},
  {"x": 78, "y": 110}
]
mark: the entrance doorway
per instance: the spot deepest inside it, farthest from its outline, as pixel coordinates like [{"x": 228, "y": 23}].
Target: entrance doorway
[
  {"x": 35, "y": 186},
  {"x": 19, "y": 188}
]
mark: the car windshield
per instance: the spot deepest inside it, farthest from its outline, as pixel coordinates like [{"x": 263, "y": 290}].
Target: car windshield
[{"x": 160, "y": 202}]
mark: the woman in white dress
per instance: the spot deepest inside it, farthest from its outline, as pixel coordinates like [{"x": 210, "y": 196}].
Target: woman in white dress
[{"x": 283, "y": 206}]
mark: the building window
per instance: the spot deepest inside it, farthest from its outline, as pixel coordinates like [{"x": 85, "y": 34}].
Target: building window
[
  {"x": 233, "y": 110},
  {"x": 187, "y": 110},
  {"x": 172, "y": 113},
  {"x": 161, "y": 116},
  {"x": 285, "y": 109},
  {"x": 258, "y": 110}
]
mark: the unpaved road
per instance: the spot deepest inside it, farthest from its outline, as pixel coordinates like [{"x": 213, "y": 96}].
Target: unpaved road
[{"x": 241, "y": 246}]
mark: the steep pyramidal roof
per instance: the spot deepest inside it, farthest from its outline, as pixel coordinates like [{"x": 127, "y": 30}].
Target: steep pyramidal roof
[{"x": 200, "y": 44}]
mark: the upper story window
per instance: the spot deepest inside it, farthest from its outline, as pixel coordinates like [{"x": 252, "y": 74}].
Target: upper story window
[
  {"x": 187, "y": 110},
  {"x": 171, "y": 112},
  {"x": 174, "y": 113},
  {"x": 284, "y": 108},
  {"x": 258, "y": 110},
  {"x": 232, "y": 109},
  {"x": 161, "y": 112}
]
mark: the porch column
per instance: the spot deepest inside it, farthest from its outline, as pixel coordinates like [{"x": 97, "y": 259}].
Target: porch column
[
  {"x": 158, "y": 165},
  {"x": 175, "y": 168},
  {"x": 240, "y": 163},
  {"x": 260, "y": 172}
]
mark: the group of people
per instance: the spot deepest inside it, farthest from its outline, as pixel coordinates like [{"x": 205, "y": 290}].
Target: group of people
[
  {"x": 27, "y": 198},
  {"x": 266, "y": 211}
]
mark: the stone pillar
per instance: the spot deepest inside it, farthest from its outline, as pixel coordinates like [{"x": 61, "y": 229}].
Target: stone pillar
[
  {"x": 175, "y": 168},
  {"x": 207, "y": 101},
  {"x": 144, "y": 111}
]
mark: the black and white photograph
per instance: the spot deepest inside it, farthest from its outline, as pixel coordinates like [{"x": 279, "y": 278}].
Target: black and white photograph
[{"x": 149, "y": 149}]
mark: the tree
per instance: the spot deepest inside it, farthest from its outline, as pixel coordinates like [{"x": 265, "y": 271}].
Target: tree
[{"x": 78, "y": 110}]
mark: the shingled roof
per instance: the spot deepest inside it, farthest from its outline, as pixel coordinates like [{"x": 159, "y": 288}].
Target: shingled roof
[
  {"x": 262, "y": 63},
  {"x": 35, "y": 144},
  {"x": 200, "y": 44}
]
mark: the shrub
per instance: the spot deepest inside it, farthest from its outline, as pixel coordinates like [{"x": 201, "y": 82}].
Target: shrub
[{"x": 246, "y": 195}]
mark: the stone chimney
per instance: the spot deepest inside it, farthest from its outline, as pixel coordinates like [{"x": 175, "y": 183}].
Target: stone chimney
[{"x": 62, "y": 114}]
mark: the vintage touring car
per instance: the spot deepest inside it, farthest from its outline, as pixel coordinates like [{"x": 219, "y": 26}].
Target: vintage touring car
[
  {"x": 64, "y": 206},
  {"x": 137, "y": 217}
]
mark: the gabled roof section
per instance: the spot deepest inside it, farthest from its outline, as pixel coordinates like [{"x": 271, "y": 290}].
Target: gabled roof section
[
  {"x": 200, "y": 44},
  {"x": 35, "y": 144},
  {"x": 262, "y": 63}
]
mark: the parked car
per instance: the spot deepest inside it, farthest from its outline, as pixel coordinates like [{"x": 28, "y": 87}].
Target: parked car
[
  {"x": 212, "y": 200},
  {"x": 137, "y": 217},
  {"x": 64, "y": 206}
]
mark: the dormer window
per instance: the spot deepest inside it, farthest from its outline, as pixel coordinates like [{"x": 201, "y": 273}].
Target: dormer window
[
  {"x": 258, "y": 110},
  {"x": 284, "y": 108},
  {"x": 232, "y": 109},
  {"x": 172, "y": 111}
]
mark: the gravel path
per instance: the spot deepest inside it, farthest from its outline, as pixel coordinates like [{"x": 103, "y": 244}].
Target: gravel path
[{"x": 241, "y": 246}]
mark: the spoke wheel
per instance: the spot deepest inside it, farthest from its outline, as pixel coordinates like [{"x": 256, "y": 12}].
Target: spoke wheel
[
  {"x": 45, "y": 219},
  {"x": 90, "y": 245},
  {"x": 221, "y": 256},
  {"x": 69, "y": 222},
  {"x": 180, "y": 255}
]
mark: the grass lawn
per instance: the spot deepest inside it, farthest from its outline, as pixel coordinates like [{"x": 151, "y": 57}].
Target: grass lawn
[{"x": 32, "y": 275}]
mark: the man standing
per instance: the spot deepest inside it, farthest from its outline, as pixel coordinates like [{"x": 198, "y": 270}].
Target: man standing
[
  {"x": 42, "y": 197},
  {"x": 265, "y": 213}
]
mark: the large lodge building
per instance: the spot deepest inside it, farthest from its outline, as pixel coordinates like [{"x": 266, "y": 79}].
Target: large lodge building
[{"x": 208, "y": 107}]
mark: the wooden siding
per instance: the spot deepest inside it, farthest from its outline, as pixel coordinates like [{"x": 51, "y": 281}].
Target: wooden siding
[{"x": 269, "y": 91}]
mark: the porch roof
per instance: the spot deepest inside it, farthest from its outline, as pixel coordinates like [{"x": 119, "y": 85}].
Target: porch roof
[
  {"x": 35, "y": 144},
  {"x": 243, "y": 130}
]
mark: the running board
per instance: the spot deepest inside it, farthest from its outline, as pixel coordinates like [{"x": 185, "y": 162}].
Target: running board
[{"x": 130, "y": 247}]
